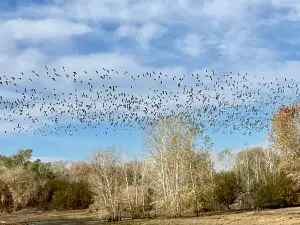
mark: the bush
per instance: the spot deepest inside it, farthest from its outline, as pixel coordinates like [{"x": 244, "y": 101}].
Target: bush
[
  {"x": 275, "y": 193},
  {"x": 6, "y": 201},
  {"x": 65, "y": 195},
  {"x": 266, "y": 196},
  {"x": 206, "y": 201},
  {"x": 226, "y": 189},
  {"x": 136, "y": 212}
]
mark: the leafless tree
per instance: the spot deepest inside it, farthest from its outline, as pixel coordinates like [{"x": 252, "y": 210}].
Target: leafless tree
[
  {"x": 21, "y": 185},
  {"x": 108, "y": 183}
]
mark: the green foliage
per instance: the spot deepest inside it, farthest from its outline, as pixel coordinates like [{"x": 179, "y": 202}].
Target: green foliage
[
  {"x": 65, "y": 195},
  {"x": 275, "y": 193},
  {"x": 253, "y": 181},
  {"x": 226, "y": 189},
  {"x": 42, "y": 170},
  {"x": 205, "y": 201},
  {"x": 22, "y": 158},
  {"x": 53, "y": 193},
  {"x": 136, "y": 212}
]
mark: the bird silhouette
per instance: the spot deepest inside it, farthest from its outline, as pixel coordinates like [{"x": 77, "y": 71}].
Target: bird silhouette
[{"x": 221, "y": 102}]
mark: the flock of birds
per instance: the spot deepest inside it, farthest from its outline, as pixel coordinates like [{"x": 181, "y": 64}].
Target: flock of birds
[{"x": 58, "y": 101}]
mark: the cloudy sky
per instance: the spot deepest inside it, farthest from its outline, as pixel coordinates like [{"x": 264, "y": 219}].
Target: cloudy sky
[{"x": 257, "y": 37}]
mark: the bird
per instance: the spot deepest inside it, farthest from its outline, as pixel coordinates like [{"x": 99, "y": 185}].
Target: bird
[{"x": 224, "y": 102}]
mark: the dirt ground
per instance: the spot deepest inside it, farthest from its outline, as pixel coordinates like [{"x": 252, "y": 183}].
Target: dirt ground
[{"x": 287, "y": 216}]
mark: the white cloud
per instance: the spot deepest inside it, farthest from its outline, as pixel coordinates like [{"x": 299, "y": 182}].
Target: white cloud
[
  {"x": 199, "y": 28},
  {"x": 126, "y": 30},
  {"x": 141, "y": 11},
  {"x": 96, "y": 61},
  {"x": 7, "y": 44},
  {"x": 150, "y": 31},
  {"x": 286, "y": 3},
  {"x": 143, "y": 34},
  {"x": 45, "y": 29},
  {"x": 242, "y": 46},
  {"x": 190, "y": 44},
  {"x": 223, "y": 9},
  {"x": 116, "y": 10}
]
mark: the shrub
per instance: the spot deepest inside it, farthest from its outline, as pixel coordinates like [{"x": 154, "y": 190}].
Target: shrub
[
  {"x": 275, "y": 193},
  {"x": 226, "y": 189},
  {"x": 65, "y": 195}
]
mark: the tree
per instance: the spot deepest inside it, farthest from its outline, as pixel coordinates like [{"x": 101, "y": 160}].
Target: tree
[
  {"x": 42, "y": 170},
  {"x": 226, "y": 188},
  {"x": 199, "y": 174},
  {"x": 6, "y": 201},
  {"x": 107, "y": 184},
  {"x": 286, "y": 129},
  {"x": 137, "y": 183},
  {"x": 176, "y": 175},
  {"x": 285, "y": 137},
  {"x": 22, "y": 186},
  {"x": 22, "y": 158},
  {"x": 26, "y": 183},
  {"x": 69, "y": 195},
  {"x": 226, "y": 158},
  {"x": 279, "y": 192},
  {"x": 254, "y": 166}
]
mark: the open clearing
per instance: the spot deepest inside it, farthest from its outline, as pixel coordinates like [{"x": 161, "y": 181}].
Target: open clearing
[{"x": 285, "y": 216}]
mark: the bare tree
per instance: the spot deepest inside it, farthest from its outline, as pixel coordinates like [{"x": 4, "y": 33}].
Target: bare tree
[
  {"x": 226, "y": 159},
  {"x": 136, "y": 183},
  {"x": 21, "y": 185},
  {"x": 171, "y": 145},
  {"x": 107, "y": 182},
  {"x": 255, "y": 166}
]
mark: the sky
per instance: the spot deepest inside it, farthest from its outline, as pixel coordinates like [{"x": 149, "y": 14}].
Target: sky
[{"x": 257, "y": 37}]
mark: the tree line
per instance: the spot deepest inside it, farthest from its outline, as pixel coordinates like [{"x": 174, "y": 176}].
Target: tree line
[{"x": 177, "y": 177}]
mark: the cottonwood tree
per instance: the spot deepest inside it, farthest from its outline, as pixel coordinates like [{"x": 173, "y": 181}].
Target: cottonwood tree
[
  {"x": 137, "y": 185},
  {"x": 285, "y": 129},
  {"x": 285, "y": 136},
  {"x": 107, "y": 183},
  {"x": 176, "y": 167},
  {"x": 199, "y": 178},
  {"x": 254, "y": 166},
  {"x": 127, "y": 173}
]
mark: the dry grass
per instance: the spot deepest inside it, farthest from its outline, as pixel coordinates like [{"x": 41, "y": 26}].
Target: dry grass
[
  {"x": 288, "y": 216},
  {"x": 72, "y": 215}
]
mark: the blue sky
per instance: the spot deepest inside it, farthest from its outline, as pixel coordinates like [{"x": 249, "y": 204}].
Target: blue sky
[{"x": 257, "y": 37}]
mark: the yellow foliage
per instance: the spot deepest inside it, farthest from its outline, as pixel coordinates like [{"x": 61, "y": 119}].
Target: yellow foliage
[{"x": 284, "y": 127}]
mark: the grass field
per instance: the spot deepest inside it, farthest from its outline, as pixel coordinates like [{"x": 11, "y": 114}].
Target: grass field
[{"x": 287, "y": 216}]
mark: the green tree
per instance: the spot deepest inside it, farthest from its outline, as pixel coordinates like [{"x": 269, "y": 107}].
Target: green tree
[
  {"x": 227, "y": 188},
  {"x": 281, "y": 192},
  {"x": 22, "y": 158},
  {"x": 42, "y": 170}
]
